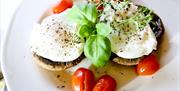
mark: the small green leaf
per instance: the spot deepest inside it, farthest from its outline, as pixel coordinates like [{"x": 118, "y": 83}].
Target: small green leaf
[
  {"x": 103, "y": 29},
  {"x": 85, "y": 31},
  {"x": 98, "y": 49},
  {"x": 76, "y": 15},
  {"x": 83, "y": 13},
  {"x": 90, "y": 12}
]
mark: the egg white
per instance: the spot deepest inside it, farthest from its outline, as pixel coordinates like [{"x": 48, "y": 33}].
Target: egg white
[
  {"x": 134, "y": 45},
  {"x": 55, "y": 39}
]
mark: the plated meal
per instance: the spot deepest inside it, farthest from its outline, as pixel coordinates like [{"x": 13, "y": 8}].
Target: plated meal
[{"x": 103, "y": 31}]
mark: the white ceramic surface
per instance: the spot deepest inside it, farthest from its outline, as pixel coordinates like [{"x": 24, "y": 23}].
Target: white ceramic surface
[{"x": 22, "y": 74}]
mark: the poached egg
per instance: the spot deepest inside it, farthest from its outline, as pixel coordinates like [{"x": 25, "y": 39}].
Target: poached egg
[
  {"x": 133, "y": 45},
  {"x": 55, "y": 39},
  {"x": 127, "y": 41}
]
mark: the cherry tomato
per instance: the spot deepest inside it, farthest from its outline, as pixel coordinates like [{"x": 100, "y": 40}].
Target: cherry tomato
[
  {"x": 63, "y": 5},
  {"x": 148, "y": 65},
  {"x": 105, "y": 83},
  {"x": 83, "y": 80}
]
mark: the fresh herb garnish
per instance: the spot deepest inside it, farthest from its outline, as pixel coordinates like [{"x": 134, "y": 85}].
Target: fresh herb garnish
[
  {"x": 97, "y": 47},
  {"x": 125, "y": 15},
  {"x": 139, "y": 20},
  {"x": 98, "y": 50},
  {"x": 103, "y": 29}
]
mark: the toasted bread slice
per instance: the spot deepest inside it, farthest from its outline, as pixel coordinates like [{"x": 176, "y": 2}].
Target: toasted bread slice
[
  {"x": 55, "y": 66},
  {"x": 127, "y": 62}
]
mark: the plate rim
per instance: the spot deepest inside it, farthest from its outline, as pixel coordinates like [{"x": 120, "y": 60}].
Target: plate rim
[{"x": 4, "y": 43}]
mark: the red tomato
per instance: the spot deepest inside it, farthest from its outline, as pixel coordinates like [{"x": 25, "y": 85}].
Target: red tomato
[
  {"x": 105, "y": 83},
  {"x": 101, "y": 7},
  {"x": 63, "y": 5},
  {"x": 83, "y": 80},
  {"x": 148, "y": 65}
]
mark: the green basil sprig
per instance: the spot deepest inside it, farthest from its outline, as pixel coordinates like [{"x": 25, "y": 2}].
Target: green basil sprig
[{"x": 97, "y": 47}]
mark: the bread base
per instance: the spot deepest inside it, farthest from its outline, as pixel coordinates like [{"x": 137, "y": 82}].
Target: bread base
[{"x": 55, "y": 66}]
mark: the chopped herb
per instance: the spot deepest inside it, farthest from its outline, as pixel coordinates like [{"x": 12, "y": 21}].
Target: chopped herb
[{"x": 121, "y": 20}]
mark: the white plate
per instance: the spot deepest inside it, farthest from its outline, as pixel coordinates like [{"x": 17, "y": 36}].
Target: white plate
[{"x": 22, "y": 74}]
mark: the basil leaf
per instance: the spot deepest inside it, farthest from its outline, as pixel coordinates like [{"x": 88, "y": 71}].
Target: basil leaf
[
  {"x": 83, "y": 13},
  {"x": 98, "y": 49},
  {"x": 76, "y": 15},
  {"x": 90, "y": 12},
  {"x": 103, "y": 29},
  {"x": 85, "y": 31}
]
